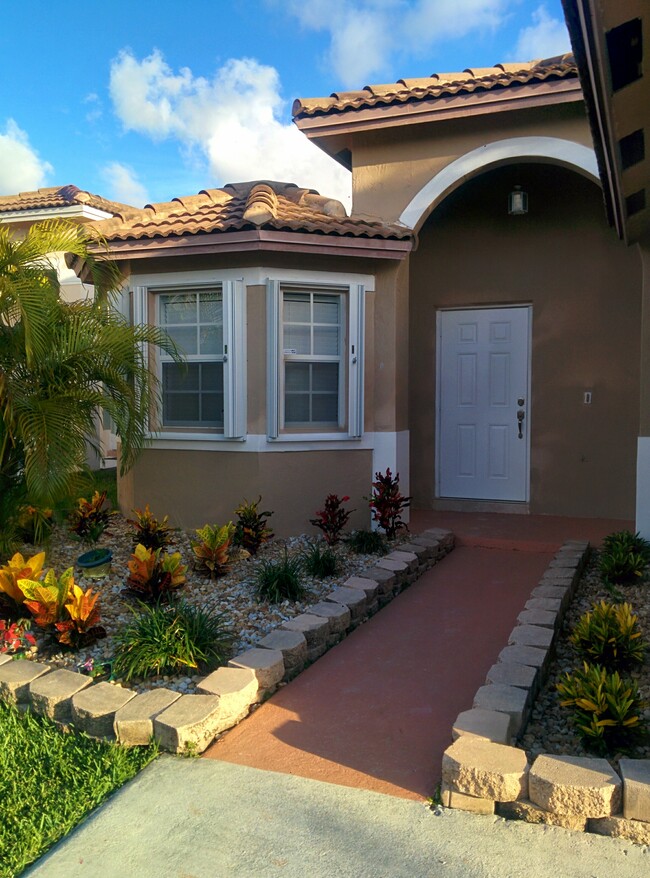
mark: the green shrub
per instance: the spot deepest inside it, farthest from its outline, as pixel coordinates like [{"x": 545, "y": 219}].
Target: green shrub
[
  {"x": 610, "y": 636},
  {"x": 251, "y": 530},
  {"x": 320, "y": 561},
  {"x": 627, "y": 541},
  {"x": 278, "y": 581},
  {"x": 622, "y": 566},
  {"x": 167, "y": 639},
  {"x": 367, "y": 542},
  {"x": 607, "y": 708},
  {"x": 212, "y": 549}
]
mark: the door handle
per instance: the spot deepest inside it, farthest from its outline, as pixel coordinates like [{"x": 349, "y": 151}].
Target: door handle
[{"x": 521, "y": 414}]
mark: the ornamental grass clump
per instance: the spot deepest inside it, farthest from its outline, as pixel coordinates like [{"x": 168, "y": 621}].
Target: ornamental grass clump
[
  {"x": 252, "y": 530},
  {"x": 279, "y": 581},
  {"x": 609, "y": 635},
  {"x": 367, "y": 542},
  {"x": 624, "y": 558},
  {"x": 320, "y": 561},
  {"x": 606, "y": 707},
  {"x": 168, "y": 639}
]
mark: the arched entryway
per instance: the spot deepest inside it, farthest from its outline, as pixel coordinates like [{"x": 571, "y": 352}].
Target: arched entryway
[{"x": 580, "y": 288}]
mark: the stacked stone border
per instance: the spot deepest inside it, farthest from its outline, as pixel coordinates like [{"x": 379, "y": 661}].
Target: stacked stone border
[
  {"x": 189, "y": 723},
  {"x": 485, "y": 771}
]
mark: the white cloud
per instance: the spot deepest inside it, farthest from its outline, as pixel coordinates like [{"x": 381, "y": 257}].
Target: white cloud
[
  {"x": 365, "y": 35},
  {"x": 124, "y": 185},
  {"x": 544, "y": 38},
  {"x": 21, "y": 168},
  {"x": 233, "y": 120}
]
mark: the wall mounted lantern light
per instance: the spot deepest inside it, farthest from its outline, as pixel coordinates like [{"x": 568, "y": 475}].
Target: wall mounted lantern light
[{"x": 517, "y": 202}]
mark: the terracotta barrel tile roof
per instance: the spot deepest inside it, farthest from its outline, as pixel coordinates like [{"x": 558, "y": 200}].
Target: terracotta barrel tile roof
[
  {"x": 470, "y": 80},
  {"x": 240, "y": 206},
  {"x": 61, "y": 196}
]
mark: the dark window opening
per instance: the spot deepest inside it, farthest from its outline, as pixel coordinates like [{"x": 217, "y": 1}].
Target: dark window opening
[
  {"x": 632, "y": 149},
  {"x": 625, "y": 50},
  {"x": 635, "y": 203}
]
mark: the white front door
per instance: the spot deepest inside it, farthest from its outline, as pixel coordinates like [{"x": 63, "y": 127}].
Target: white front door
[{"x": 483, "y": 406}]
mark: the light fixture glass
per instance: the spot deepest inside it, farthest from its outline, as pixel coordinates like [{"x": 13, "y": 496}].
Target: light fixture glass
[{"x": 517, "y": 202}]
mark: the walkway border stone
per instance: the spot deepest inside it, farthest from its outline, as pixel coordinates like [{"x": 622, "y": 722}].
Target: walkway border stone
[
  {"x": 578, "y": 793},
  {"x": 189, "y": 723}
]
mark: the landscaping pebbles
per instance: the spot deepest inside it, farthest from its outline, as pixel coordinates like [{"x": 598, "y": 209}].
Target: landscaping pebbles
[
  {"x": 233, "y": 595},
  {"x": 550, "y": 729}
]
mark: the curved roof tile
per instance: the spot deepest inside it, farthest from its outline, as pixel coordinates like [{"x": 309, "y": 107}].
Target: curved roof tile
[
  {"x": 61, "y": 196},
  {"x": 472, "y": 79}
]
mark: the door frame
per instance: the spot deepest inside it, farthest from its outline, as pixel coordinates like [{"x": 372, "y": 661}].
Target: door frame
[{"x": 438, "y": 413}]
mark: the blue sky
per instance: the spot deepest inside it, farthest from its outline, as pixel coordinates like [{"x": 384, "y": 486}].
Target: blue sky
[{"x": 143, "y": 101}]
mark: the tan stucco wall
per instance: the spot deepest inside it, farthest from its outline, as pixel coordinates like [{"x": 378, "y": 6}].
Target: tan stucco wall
[
  {"x": 585, "y": 290},
  {"x": 391, "y": 165},
  {"x": 195, "y": 487}
]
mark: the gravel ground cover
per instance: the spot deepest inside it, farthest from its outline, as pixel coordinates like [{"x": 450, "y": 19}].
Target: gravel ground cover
[
  {"x": 233, "y": 595},
  {"x": 550, "y": 729}
]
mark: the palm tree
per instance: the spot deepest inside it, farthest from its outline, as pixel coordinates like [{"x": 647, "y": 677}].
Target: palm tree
[{"x": 59, "y": 362}]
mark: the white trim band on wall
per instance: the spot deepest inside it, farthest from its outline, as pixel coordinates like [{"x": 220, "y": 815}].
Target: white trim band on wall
[{"x": 575, "y": 156}]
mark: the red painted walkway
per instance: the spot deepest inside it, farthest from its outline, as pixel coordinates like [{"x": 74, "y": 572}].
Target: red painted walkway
[{"x": 376, "y": 711}]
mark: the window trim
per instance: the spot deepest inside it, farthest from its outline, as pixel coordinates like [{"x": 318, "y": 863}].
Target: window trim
[
  {"x": 233, "y": 293},
  {"x": 351, "y": 397}
]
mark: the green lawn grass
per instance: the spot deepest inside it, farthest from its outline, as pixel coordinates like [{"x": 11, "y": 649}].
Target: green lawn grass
[{"x": 49, "y": 781}]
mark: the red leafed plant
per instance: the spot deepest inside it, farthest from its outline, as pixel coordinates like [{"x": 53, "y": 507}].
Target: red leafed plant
[
  {"x": 16, "y": 636},
  {"x": 332, "y": 518},
  {"x": 386, "y": 503}
]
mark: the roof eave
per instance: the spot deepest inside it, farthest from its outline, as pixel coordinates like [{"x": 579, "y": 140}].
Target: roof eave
[
  {"x": 259, "y": 240},
  {"x": 411, "y": 112},
  {"x": 72, "y": 212}
]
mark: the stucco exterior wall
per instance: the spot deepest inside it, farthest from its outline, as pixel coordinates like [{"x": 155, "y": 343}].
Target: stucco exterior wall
[
  {"x": 585, "y": 290},
  {"x": 195, "y": 487},
  {"x": 391, "y": 165}
]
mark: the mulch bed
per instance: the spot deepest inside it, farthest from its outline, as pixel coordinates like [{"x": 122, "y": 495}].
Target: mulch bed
[{"x": 550, "y": 729}]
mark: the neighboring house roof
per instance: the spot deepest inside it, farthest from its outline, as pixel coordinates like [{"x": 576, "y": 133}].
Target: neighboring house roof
[
  {"x": 57, "y": 197},
  {"x": 243, "y": 215},
  {"x": 440, "y": 85}
]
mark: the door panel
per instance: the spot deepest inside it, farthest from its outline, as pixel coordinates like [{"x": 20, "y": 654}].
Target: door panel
[{"x": 483, "y": 373}]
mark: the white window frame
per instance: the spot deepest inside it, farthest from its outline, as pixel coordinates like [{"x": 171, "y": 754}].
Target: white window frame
[
  {"x": 351, "y": 372},
  {"x": 233, "y": 292}
]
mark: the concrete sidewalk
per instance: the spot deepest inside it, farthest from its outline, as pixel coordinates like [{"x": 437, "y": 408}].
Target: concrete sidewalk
[{"x": 208, "y": 819}]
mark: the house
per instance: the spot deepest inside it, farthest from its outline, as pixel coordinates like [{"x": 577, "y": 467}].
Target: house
[
  {"x": 21, "y": 211},
  {"x": 608, "y": 38},
  {"x": 474, "y": 324}
]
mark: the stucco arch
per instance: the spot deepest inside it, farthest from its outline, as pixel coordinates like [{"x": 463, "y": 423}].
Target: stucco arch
[{"x": 567, "y": 153}]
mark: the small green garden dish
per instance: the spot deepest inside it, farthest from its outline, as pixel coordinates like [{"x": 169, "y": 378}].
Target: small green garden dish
[{"x": 96, "y": 563}]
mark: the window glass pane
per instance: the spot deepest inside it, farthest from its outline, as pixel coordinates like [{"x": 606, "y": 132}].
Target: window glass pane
[
  {"x": 325, "y": 377},
  {"x": 296, "y": 408},
  {"x": 179, "y": 308},
  {"x": 185, "y": 338},
  {"x": 212, "y": 376},
  {"x": 325, "y": 408},
  {"x": 296, "y": 376},
  {"x": 177, "y": 377},
  {"x": 212, "y": 408},
  {"x": 297, "y": 339},
  {"x": 326, "y": 309},
  {"x": 181, "y": 409},
  {"x": 326, "y": 340},
  {"x": 297, "y": 308},
  {"x": 210, "y": 308},
  {"x": 211, "y": 340}
]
